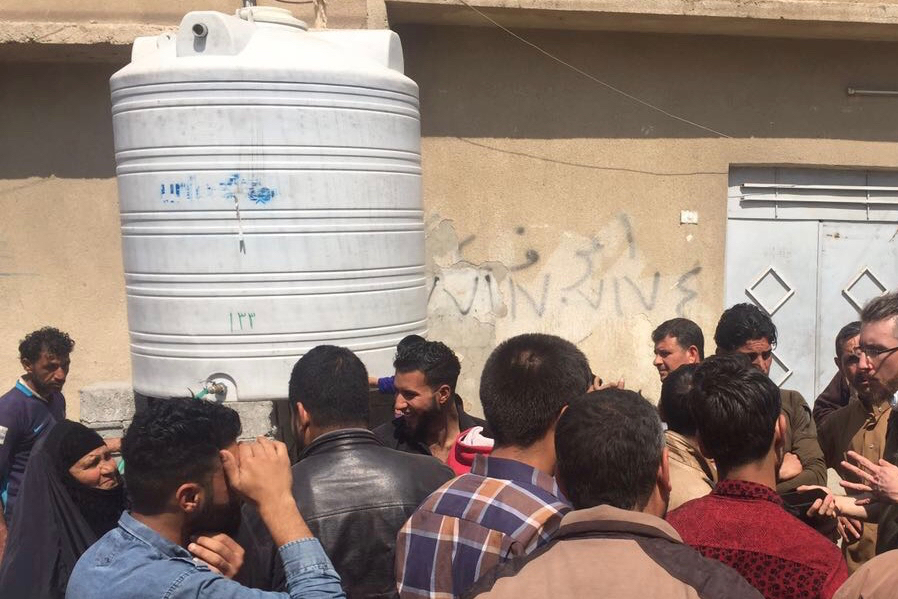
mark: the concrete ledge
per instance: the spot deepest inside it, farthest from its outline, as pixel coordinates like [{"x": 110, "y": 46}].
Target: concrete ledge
[
  {"x": 43, "y": 32},
  {"x": 109, "y": 408},
  {"x": 846, "y": 19},
  {"x": 106, "y": 403},
  {"x": 39, "y": 41}
]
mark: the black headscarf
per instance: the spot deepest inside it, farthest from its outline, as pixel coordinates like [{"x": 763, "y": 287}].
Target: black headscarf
[{"x": 57, "y": 518}]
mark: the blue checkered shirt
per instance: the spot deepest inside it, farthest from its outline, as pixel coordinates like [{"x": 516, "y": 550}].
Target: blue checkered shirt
[{"x": 500, "y": 510}]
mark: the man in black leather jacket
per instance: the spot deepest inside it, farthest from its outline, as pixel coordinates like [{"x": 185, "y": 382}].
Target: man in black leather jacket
[{"x": 354, "y": 493}]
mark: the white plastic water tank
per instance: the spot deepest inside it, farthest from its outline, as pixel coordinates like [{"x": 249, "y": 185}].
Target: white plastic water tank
[{"x": 270, "y": 192}]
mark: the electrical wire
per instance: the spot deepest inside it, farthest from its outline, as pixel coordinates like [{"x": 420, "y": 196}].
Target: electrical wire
[{"x": 591, "y": 77}]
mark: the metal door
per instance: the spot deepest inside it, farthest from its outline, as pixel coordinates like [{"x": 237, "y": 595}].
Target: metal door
[
  {"x": 774, "y": 266},
  {"x": 810, "y": 246},
  {"x": 857, "y": 262}
]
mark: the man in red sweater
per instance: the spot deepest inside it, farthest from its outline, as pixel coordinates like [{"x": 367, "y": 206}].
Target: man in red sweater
[{"x": 742, "y": 522}]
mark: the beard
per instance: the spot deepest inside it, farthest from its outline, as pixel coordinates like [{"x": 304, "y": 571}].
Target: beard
[
  {"x": 217, "y": 517},
  {"x": 424, "y": 420}
]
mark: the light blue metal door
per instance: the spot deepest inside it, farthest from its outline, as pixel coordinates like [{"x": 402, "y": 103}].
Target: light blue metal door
[{"x": 810, "y": 247}]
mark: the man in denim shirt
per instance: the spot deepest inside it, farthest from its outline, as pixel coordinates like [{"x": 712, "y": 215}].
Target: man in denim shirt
[{"x": 184, "y": 473}]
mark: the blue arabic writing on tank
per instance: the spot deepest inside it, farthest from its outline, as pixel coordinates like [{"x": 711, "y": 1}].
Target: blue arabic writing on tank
[{"x": 234, "y": 187}]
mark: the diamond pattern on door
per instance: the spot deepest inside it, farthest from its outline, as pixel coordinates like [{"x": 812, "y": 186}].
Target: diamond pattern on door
[
  {"x": 862, "y": 288},
  {"x": 779, "y": 372},
  {"x": 770, "y": 291}
]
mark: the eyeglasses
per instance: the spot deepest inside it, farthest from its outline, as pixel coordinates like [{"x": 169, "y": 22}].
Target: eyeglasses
[{"x": 875, "y": 353}]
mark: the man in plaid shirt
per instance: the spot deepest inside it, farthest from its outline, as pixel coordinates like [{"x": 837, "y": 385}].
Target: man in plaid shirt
[{"x": 509, "y": 504}]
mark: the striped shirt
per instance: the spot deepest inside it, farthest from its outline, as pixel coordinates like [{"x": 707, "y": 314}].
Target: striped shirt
[{"x": 500, "y": 510}]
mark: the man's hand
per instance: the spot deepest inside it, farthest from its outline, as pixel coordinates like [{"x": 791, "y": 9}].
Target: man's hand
[
  {"x": 261, "y": 471},
  {"x": 850, "y": 529},
  {"x": 881, "y": 479},
  {"x": 835, "y": 505},
  {"x": 220, "y": 552},
  {"x": 261, "y": 474},
  {"x": 791, "y": 467},
  {"x": 114, "y": 444},
  {"x": 825, "y": 507}
]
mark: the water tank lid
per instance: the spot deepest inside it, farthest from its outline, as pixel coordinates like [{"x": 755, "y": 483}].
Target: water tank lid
[{"x": 271, "y": 14}]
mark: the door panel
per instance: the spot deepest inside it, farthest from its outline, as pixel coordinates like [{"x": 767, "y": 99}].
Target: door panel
[
  {"x": 773, "y": 264},
  {"x": 858, "y": 261}
]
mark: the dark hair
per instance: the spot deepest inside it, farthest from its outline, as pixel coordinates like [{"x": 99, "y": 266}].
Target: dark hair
[
  {"x": 686, "y": 332},
  {"x": 881, "y": 308},
  {"x": 674, "y": 403},
  {"x": 172, "y": 442},
  {"x": 849, "y": 331},
  {"x": 332, "y": 384},
  {"x": 525, "y": 383},
  {"x": 735, "y": 408},
  {"x": 48, "y": 339},
  {"x": 410, "y": 340},
  {"x": 742, "y": 323},
  {"x": 439, "y": 364},
  {"x": 609, "y": 445}
]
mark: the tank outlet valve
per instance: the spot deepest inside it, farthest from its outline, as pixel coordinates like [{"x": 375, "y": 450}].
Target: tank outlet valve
[
  {"x": 200, "y": 31},
  {"x": 210, "y": 388}
]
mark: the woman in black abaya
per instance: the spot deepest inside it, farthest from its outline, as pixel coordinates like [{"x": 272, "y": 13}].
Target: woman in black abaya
[{"x": 71, "y": 496}]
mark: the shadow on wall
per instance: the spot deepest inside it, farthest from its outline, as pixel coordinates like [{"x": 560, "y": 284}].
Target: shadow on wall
[
  {"x": 481, "y": 82},
  {"x": 56, "y": 120}
]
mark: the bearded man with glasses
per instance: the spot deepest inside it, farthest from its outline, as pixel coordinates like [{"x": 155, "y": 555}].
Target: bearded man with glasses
[
  {"x": 876, "y": 350},
  {"x": 745, "y": 329},
  {"x": 878, "y": 578}
]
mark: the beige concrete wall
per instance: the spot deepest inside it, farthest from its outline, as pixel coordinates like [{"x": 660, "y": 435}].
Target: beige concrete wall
[
  {"x": 344, "y": 14},
  {"x": 60, "y": 249},
  {"x": 553, "y": 205}
]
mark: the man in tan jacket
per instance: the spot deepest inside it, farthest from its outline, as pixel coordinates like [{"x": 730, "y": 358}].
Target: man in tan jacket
[
  {"x": 861, "y": 427},
  {"x": 614, "y": 543},
  {"x": 692, "y": 475}
]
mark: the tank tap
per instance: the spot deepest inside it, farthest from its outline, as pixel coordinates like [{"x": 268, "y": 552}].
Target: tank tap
[
  {"x": 210, "y": 388},
  {"x": 249, "y": 3}
]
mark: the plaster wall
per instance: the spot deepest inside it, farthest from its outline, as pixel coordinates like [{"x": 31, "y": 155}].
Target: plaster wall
[
  {"x": 346, "y": 14},
  {"x": 552, "y": 203},
  {"x": 60, "y": 249}
]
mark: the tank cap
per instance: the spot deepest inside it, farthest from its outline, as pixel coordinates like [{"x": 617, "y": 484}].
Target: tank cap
[{"x": 271, "y": 14}]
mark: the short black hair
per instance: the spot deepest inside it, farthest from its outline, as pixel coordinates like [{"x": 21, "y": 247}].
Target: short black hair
[
  {"x": 686, "y": 332},
  {"x": 609, "y": 445},
  {"x": 735, "y": 408},
  {"x": 172, "y": 442},
  {"x": 881, "y": 308},
  {"x": 674, "y": 403},
  {"x": 439, "y": 364},
  {"x": 525, "y": 383},
  {"x": 410, "y": 340},
  {"x": 849, "y": 331},
  {"x": 332, "y": 384},
  {"x": 743, "y": 323},
  {"x": 48, "y": 339}
]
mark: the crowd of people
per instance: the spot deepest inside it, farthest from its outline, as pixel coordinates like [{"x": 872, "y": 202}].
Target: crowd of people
[{"x": 569, "y": 485}]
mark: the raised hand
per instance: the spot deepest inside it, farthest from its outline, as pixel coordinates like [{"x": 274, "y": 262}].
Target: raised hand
[
  {"x": 880, "y": 480},
  {"x": 260, "y": 473}
]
